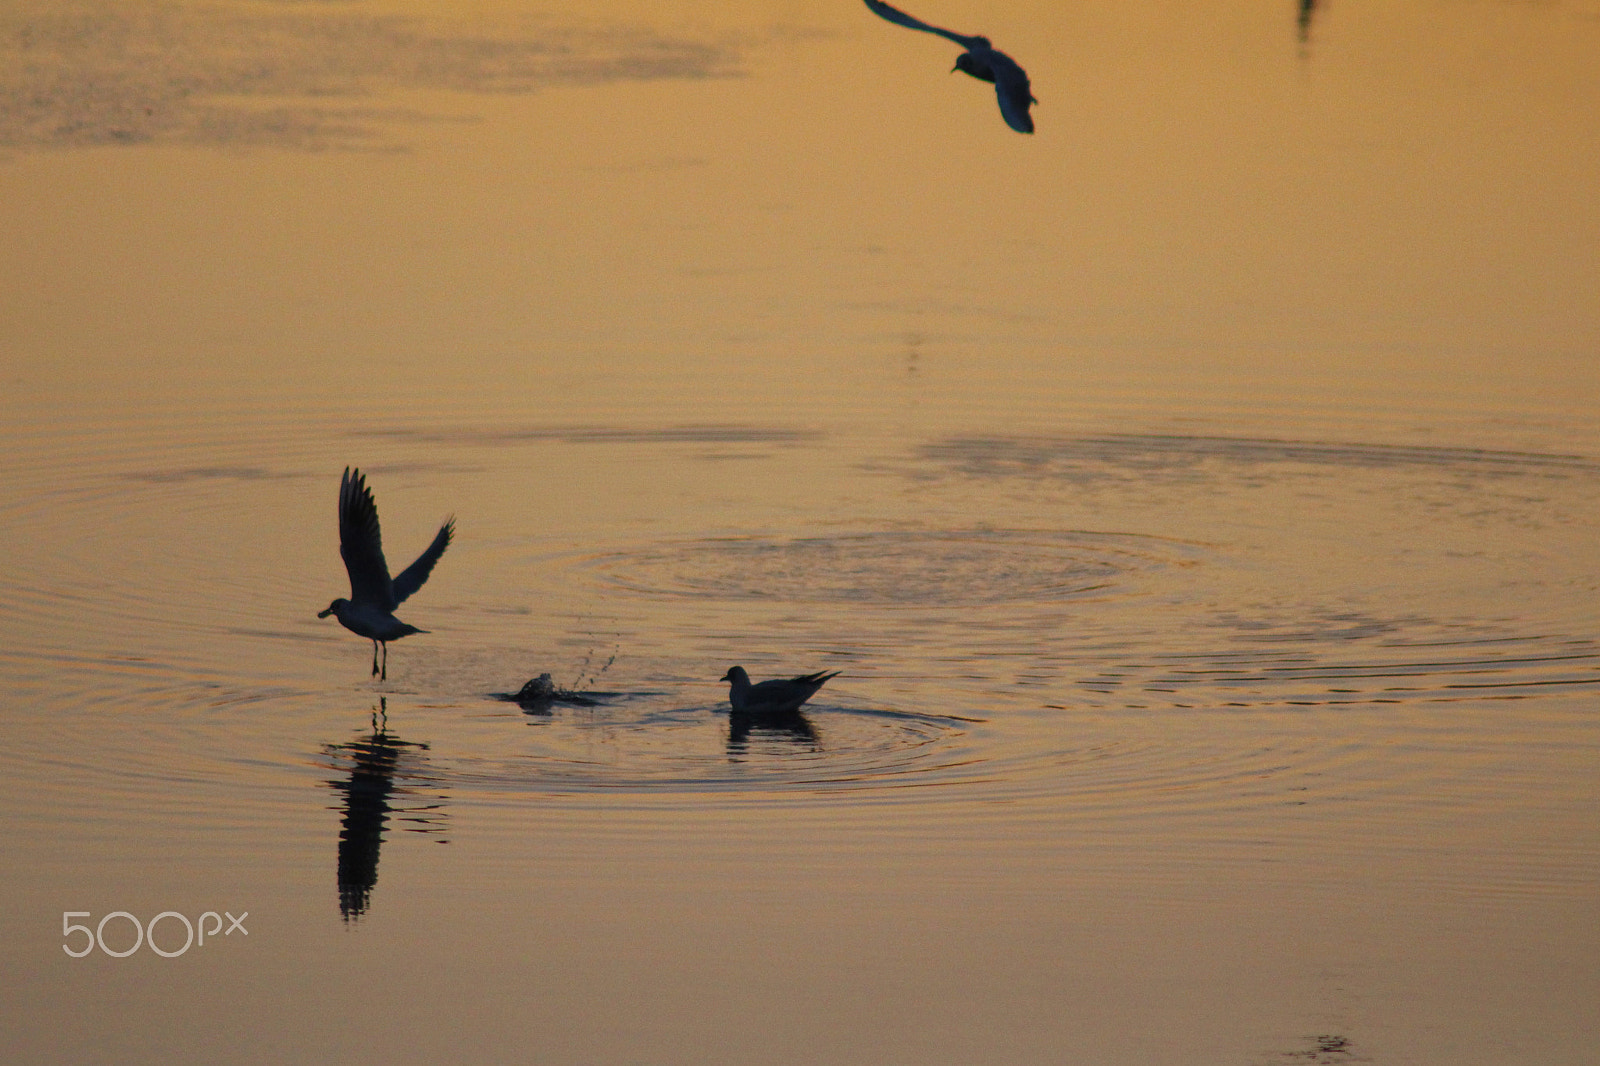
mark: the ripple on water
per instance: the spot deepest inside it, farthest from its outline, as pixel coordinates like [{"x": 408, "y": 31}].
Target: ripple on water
[
  {"x": 639, "y": 745},
  {"x": 1142, "y": 456},
  {"x": 959, "y": 568},
  {"x": 1398, "y": 663}
]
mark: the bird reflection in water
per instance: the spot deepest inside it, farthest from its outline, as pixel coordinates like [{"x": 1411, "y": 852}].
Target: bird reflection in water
[
  {"x": 1308, "y": 10},
  {"x": 786, "y": 729},
  {"x": 375, "y": 760}
]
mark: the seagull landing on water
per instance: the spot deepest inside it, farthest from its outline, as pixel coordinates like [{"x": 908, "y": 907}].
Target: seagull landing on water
[
  {"x": 369, "y": 612},
  {"x": 983, "y": 62},
  {"x": 772, "y": 697}
]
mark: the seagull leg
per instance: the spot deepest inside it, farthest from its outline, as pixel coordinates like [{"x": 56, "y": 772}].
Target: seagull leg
[
  {"x": 385, "y": 676},
  {"x": 374, "y": 658}
]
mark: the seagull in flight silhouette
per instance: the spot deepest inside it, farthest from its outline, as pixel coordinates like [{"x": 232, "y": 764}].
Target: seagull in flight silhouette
[
  {"x": 369, "y": 612},
  {"x": 982, "y": 61},
  {"x": 781, "y": 696}
]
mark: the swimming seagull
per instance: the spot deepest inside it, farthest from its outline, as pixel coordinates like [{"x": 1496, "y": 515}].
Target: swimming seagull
[
  {"x": 983, "y": 62},
  {"x": 369, "y": 611},
  {"x": 772, "y": 697}
]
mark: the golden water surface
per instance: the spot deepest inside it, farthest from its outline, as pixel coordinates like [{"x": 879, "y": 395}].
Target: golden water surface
[{"x": 1197, "y": 499}]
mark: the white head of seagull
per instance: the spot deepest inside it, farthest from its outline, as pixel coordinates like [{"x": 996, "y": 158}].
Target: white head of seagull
[
  {"x": 981, "y": 60},
  {"x": 369, "y": 612},
  {"x": 779, "y": 696}
]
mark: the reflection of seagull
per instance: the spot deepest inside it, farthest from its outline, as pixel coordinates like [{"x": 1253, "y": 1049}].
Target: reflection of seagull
[
  {"x": 374, "y": 762},
  {"x": 373, "y": 596},
  {"x": 783, "y": 696},
  {"x": 983, "y": 62},
  {"x": 1308, "y": 9},
  {"x": 792, "y": 727}
]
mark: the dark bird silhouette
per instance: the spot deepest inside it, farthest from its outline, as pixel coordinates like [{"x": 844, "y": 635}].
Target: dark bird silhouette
[
  {"x": 369, "y": 612},
  {"x": 781, "y": 696},
  {"x": 981, "y": 60}
]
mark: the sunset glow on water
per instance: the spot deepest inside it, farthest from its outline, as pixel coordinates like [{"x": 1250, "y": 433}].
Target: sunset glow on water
[{"x": 1196, "y": 498}]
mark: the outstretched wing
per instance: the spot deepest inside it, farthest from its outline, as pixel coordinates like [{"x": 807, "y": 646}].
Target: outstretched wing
[
  {"x": 411, "y": 578},
  {"x": 361, "y": 543},
  {"x": 884, "y": 11},
  {"x": 1011, "y": 86}
]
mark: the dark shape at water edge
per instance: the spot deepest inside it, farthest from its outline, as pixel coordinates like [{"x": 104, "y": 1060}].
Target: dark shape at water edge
[
  {"x": 1327, "y": 1049},
  {"x": 375, "y": 760}
]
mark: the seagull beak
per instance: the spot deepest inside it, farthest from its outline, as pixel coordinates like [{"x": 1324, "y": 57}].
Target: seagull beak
[
  {"x": 324, "y": 614},
  {"x": 727, "y": 676}
]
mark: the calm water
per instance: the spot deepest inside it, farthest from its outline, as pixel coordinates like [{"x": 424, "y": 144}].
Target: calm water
[{"x": 1197, "y": 499}]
